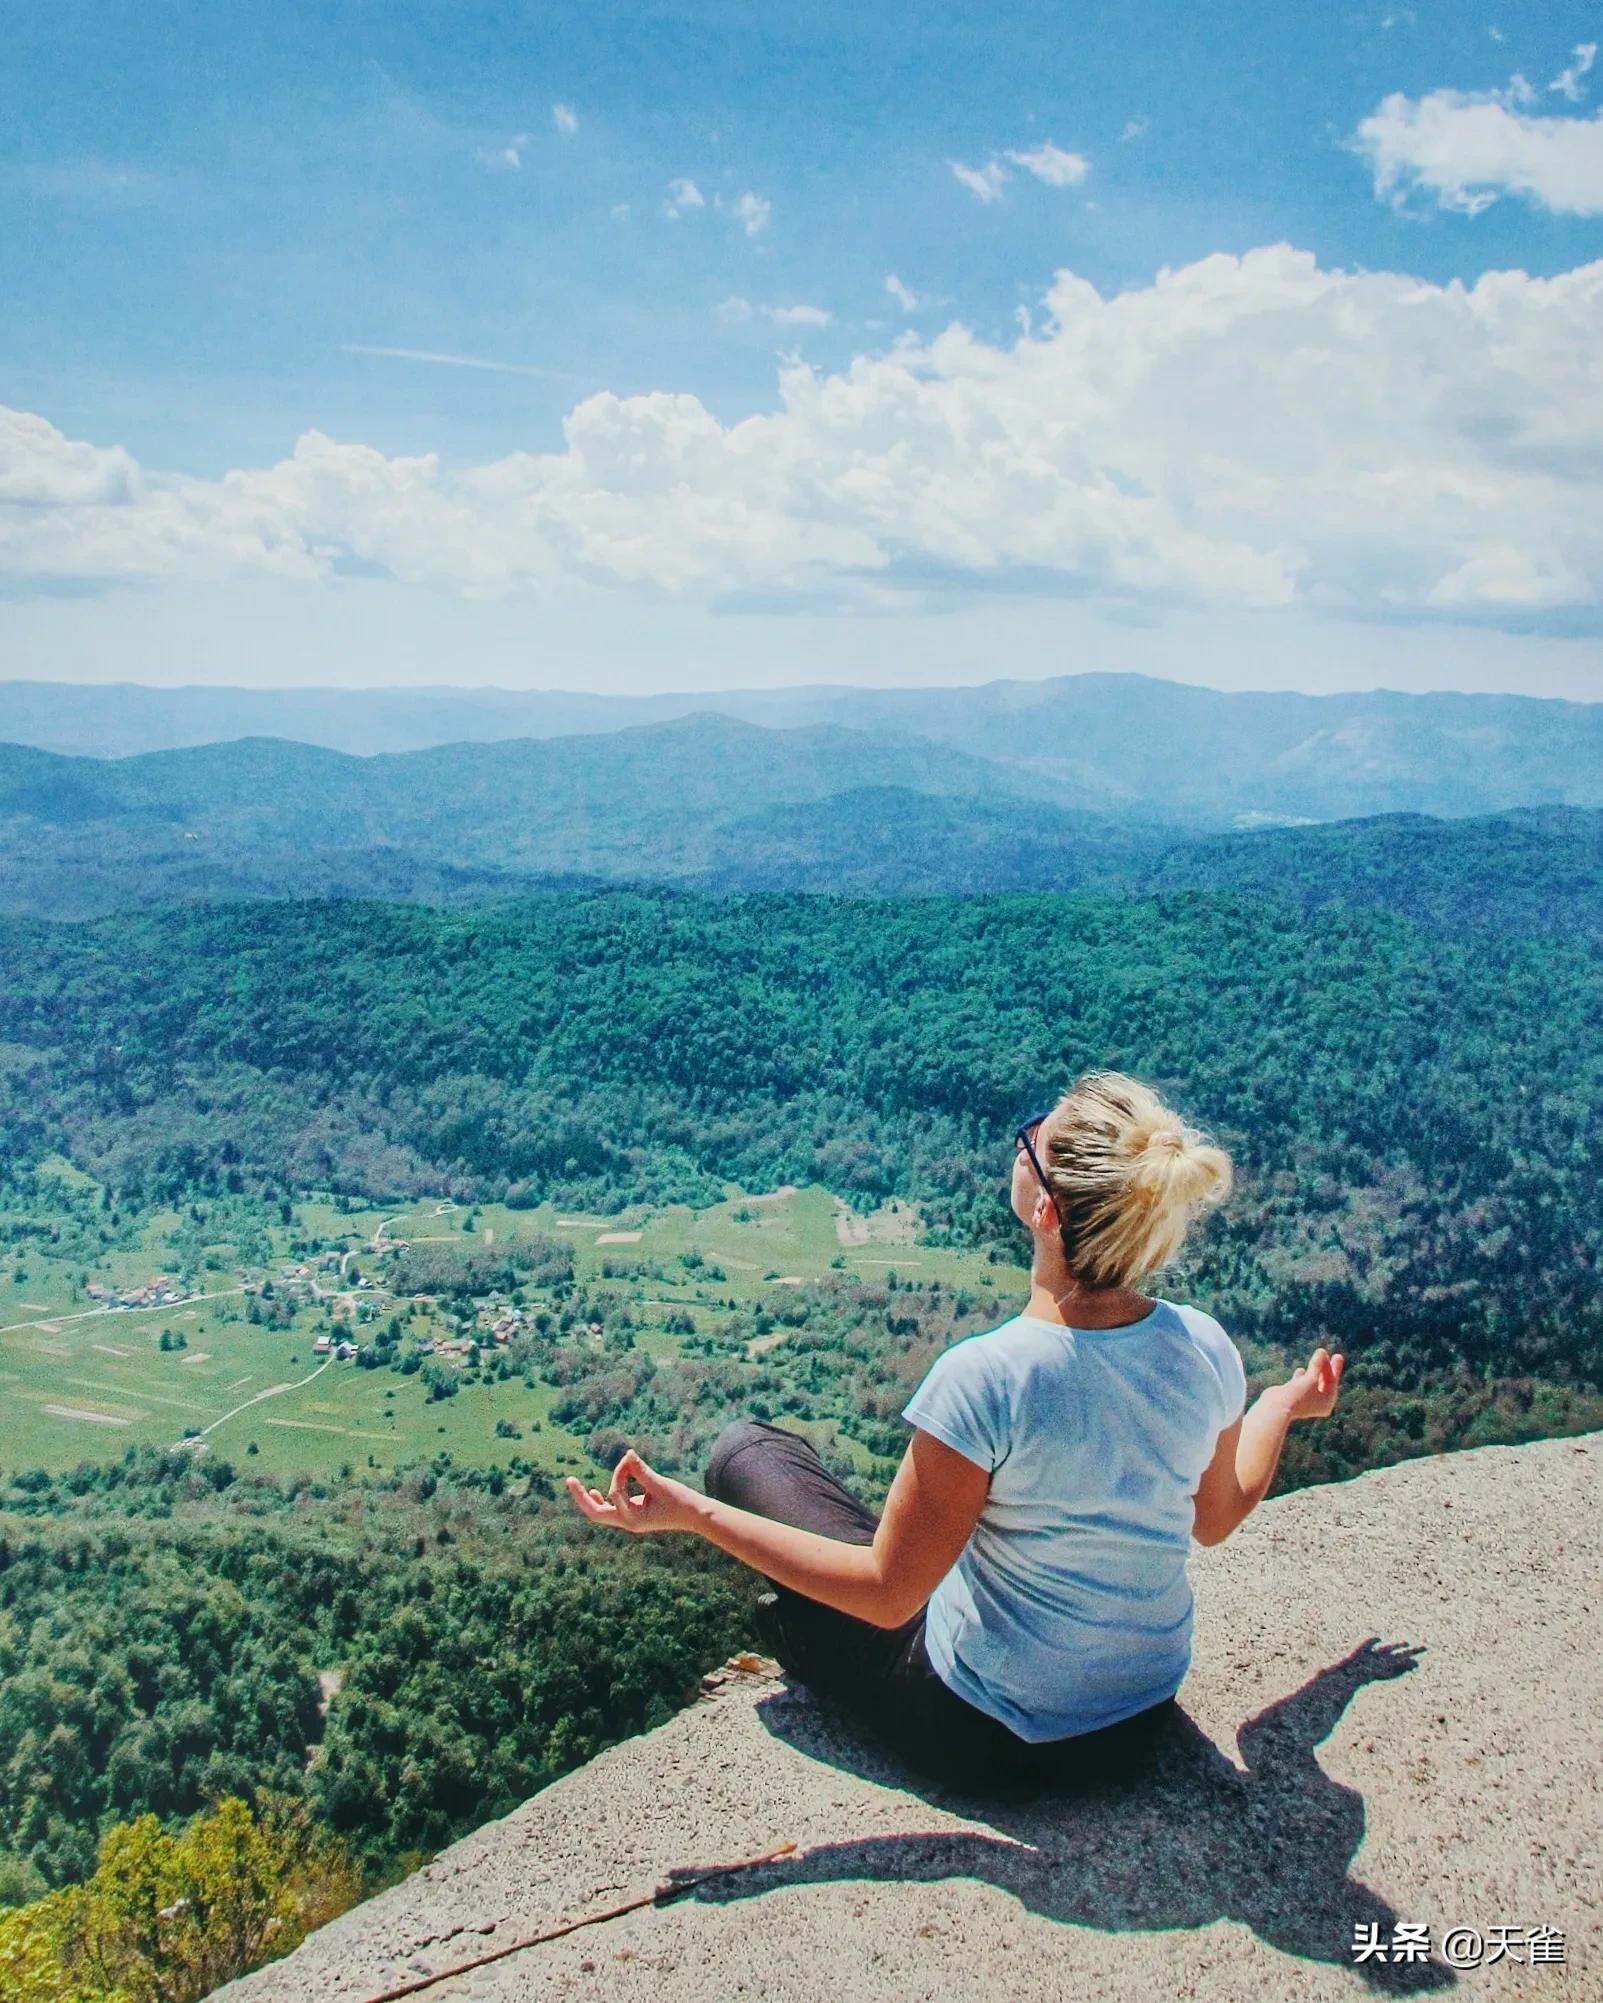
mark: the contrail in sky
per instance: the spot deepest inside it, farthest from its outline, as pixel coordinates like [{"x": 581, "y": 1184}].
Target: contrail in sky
[{"x": 455, "y": 361}]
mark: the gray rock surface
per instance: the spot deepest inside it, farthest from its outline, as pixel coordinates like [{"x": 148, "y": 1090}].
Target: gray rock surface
[{"x": 1291, "y": 1802}]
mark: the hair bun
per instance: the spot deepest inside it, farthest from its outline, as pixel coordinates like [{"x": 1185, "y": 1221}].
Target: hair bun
[{"x": 1129, "y": 1175}]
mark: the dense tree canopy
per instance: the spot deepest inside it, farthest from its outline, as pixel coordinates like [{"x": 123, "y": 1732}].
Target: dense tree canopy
[{"x": 163, "y": 1626}]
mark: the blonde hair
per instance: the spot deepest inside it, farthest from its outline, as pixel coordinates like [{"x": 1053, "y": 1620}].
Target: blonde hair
[{"x": 1130, "y": 1178}]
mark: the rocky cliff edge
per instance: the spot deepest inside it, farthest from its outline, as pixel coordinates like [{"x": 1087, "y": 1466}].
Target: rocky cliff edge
[{"x": 1317, "y": 1792}]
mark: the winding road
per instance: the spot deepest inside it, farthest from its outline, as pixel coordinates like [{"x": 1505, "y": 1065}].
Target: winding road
[{"x": 272, "y": 1391}]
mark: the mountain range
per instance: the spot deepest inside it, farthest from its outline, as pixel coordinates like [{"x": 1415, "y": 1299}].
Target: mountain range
[
  {"x": 1108, "y": 743},
  {"x": 716, "y": 804}
]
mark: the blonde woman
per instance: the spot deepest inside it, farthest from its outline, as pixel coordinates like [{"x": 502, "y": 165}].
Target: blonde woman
[{"x": 1021, "y": 1609}]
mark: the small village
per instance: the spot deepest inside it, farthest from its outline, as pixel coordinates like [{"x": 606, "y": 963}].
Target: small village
[
  {"x": 497, "y": 1321},
  {"x": 159, "y": 1291},
  {"x": 325, "y": 1281}
]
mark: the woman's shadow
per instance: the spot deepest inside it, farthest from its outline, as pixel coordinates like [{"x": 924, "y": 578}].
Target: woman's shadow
[{"x": 1186, "y": 1840}]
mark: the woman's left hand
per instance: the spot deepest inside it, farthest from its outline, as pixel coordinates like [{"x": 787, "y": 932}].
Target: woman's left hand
[{"x": 661, "y": 1504}]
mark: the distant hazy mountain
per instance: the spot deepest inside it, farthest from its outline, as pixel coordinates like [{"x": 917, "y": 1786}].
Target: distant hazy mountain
[
  {"x": 122, "y": 719},
  {"x": 1530, "y": 871},
  {"x": 1172, "y": 751},
  {"x": 717, "y": 805},
  {"x": 80, "y": 835},
  {"x": 1106, "y": 743}
]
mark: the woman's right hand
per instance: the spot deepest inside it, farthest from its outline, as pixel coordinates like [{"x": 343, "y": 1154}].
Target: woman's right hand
[
  {"x": 661, "y": 1504},
  {"x": 1310, "y": 1393}
]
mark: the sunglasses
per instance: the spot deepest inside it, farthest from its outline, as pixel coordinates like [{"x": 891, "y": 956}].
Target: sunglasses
[{"x": 1024, "y": 1141}]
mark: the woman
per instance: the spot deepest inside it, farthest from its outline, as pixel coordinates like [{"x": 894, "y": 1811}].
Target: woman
[{"x": 1021, "y": 1609}]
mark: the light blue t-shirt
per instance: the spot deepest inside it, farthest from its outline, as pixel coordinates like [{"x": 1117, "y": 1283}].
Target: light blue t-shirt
[{"x": 1069, "y": 1607}]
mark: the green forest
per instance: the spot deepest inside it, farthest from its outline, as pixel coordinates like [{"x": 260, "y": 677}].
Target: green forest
[{"x": 163, "y": 1625}]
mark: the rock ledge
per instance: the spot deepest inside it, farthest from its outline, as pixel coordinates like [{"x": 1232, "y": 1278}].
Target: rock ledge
[{"x": 1291, "y": 1806}]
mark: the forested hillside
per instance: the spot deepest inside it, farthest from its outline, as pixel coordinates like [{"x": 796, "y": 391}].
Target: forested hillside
[
  {"x": 268, "y": 818},
  {"x": 1532, "y": 870},
  {"x": 163, "y": 1626},
  {"x": 1415, "y": 1115},
  {"x": 1529, "y": 870},
  {"x": 715, "y": 805}
]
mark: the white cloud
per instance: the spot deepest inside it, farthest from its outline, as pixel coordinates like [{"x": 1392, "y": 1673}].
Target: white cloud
[
  {"x": 683, "y": 196},
  {"x": 1568, "y": 81},
  {"x": 1135, "y": 128},
  {"x": 986, "y": 182},
  {"x": 507, "y": 158},
  {"x": 1052, "y": 165},
  {"x": 1505, "y": 575},
  {"x": 619, "y": 212},
  {"x": 1464, "y": 149},
  {"x": 750, "y": 211},
  {"x": 1046, "y": 162},
  {"x": 904, "y": 295},
  {"x": 40, "y": 468},
  {"x": 738, "y": 310},
  {"x": 1241, "y": 433}
]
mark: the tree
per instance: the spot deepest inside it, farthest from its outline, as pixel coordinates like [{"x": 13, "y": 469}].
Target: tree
[{"x": 168, "y": 1919}]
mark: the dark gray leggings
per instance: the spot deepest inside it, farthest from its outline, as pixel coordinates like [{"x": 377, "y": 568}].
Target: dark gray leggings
[{"x": 883, "y": 1676}]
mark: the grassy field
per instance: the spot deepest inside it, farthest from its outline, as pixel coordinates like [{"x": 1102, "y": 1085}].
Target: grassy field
[{"x": 83, "y": 1382}]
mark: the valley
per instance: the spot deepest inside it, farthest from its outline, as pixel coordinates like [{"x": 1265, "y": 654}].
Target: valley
[{"x": 270, "y": 1363}]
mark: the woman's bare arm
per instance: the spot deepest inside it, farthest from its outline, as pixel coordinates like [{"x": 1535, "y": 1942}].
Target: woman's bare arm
[
  {"x": 930, "y": 1513},
  {"x": 1248, "y": 1452},
  {"x": 933, "y": 1505}
]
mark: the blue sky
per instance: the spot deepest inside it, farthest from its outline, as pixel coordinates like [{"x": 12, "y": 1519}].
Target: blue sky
[{"x": 219, "y": 217}]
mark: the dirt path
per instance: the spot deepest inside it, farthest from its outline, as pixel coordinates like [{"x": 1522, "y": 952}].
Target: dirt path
[
  {"x": 272, "y": 1391},
  {"x": 850, "y": 1228}
]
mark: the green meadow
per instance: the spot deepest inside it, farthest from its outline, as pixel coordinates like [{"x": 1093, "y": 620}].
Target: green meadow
[{"x": 82, "y": 1381}]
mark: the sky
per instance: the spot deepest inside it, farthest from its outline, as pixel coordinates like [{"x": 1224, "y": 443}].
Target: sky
[{"x": 664, "y": 347}]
